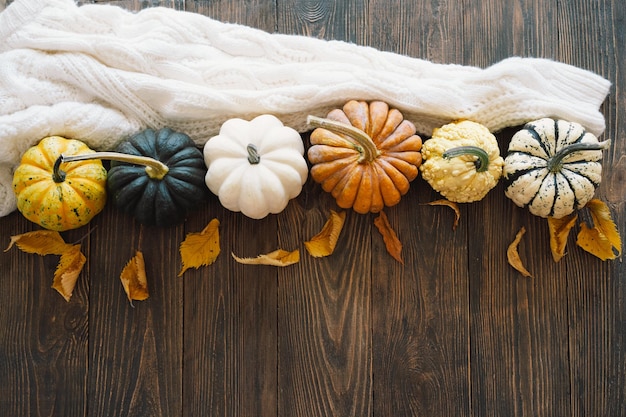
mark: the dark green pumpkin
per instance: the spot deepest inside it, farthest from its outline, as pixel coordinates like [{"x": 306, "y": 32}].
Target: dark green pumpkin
[{"x": 159, "y": 201}]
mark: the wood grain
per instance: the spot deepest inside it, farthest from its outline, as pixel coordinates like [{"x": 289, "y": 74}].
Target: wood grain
[
  {"x": 238, "y": 324},
  {"x": 452, "y": 331},
  {"x": 421, "y": 311},
  {"x": 596, "y": 290},
  {"x": 519, "y": 325},
  {"x": 44, "y": 339},
  {"x": 135, "y": 348}
]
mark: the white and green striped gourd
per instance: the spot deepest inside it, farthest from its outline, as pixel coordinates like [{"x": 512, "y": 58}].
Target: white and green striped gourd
[{"x": 553, "y": 167}]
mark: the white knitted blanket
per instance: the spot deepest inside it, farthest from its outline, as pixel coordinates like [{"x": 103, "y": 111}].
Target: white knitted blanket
[{"x": 100, "y": 73}]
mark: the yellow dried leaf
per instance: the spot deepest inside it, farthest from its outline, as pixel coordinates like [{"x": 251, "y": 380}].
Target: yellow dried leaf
[
  {"x": 603, "y": 240},
  {"x": 392, "y": 243},
  {"x": 595, "y": 242},
  {"x": 279, "y": 257},
  {"x": 512, "y": 254},
  {"x": 41, "y": 242},
  {"x": 454, "y": 206},
  {"x": 134, "y": 279},
  {"x": 67, "y": 272},
  {"x": 200, "y": 249},
  {"x": 324, "y": 243},
  {"x": 559, "y": 232}
]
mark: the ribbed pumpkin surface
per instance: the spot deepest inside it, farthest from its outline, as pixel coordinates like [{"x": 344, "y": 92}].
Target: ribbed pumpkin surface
[{"x": 165, "y": 201}]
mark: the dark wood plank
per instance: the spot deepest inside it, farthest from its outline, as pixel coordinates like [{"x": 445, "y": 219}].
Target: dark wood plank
[
  {"x": 325, "y": 308},
  {"x": 230, "y": 328},
  {"x": 139, "y": 4},
  {"x": 340, "y": 20},
  {"x": 230, "y": 334},
  {"x": 453, "y": 331},
  {"x": 425, "y": 30},
  {"x": 420, "y": 316},
  {"x": 325, "y": 319},
  {"x": 136, "y": 353},
  {"x": 135, "y": 349},
  {"x": 597, "y": 290},
  {"x": 43, "y": 338},
  {"x": 260, "y": 14},
  {"x": 420, "y": 309},
  {"x": 519, "y": 326},
  {"x": 519, "y": 329}
]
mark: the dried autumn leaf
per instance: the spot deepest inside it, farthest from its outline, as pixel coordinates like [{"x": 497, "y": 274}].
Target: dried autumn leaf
[
  {"x": 40, "y": 242},
  {"x": 324, "y": 243},
  {"x": 603, "y": 240},
  {"x": 134, "y": 278},
  {"x": 279, "y": 257},
  {"x": 513, "y": 255},
  {"x": 593, "y": 242},
  {"x": 392, "y": 243},
  {"x": 454, "y": 206},
  {"x": 67, "y": 272},
  {"x": 200, "y": 249},
  {"x": 559, "y": 232}
]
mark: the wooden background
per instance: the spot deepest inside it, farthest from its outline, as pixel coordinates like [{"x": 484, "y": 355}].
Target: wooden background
[{"x": 453, "y": 332}]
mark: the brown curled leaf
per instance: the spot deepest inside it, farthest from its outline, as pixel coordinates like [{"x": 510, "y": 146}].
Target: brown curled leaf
[
  {"x": 392, "y": 243},
  {"x": 513, "y": 255},
  {"x": 559, "y": 232},
  {"x": 324, "y": 243},
  {"x": 454, "y": 206},
  {"x": 278, "y": 257},
  {"x": 133, "y": 278}
]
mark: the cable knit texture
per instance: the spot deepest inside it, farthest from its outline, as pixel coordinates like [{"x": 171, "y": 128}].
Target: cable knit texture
[{"x": 100, "y": 73}]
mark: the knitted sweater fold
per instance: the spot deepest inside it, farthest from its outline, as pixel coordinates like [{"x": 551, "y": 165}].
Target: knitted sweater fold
[{"x": 100, "y": 73}]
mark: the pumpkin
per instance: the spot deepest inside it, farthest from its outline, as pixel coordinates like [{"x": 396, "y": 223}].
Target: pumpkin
[
  {"x": 365, "y": 155},
  {"x": 553, "y": 167},
  {"x": 462, "y": 161},
  {"x": 157, "y": 176},
  {"x": 154, "y": 196},
  {"x": 55, "y": 195},
  {"x": 255, "y": 167}
]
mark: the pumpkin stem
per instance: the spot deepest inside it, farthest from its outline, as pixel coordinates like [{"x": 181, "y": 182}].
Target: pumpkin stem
[
  {"x": 555, "y": 164},
  {"x": 58, "y": 175},
  {"x": 155, "y": 169},
  {"x": 253, "y": 154},
  {"x": 364, "y": 144},
  {"x": 482, "y": 157}
]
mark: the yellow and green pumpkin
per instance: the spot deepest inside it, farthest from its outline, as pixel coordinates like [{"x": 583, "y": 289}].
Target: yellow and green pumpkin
[{"x": 59, "y": 195}]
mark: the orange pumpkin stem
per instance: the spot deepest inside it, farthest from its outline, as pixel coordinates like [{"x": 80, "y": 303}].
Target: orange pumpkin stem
[
  {"x": 364, "y": 144},
  {"x": 154, "y": 169}
]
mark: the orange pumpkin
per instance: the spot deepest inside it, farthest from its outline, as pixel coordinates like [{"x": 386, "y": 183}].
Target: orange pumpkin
[{"x": 365, "y": 155}]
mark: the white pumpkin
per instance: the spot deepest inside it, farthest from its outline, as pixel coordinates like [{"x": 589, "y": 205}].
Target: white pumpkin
[
  {"x": 553, "y": 167},
  {"x": 255, "y": 167}
]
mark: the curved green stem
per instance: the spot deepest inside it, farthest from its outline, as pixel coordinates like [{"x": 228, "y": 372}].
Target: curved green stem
[
  {"x": 556, "y": 162},
  {"x": 58, "y": 175},
  {"x": 154, "y": 169},
  {"x": 253, "y": 154},
  {"x": 482, "y": 157},
  {"x": 365, "y": 145}
]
